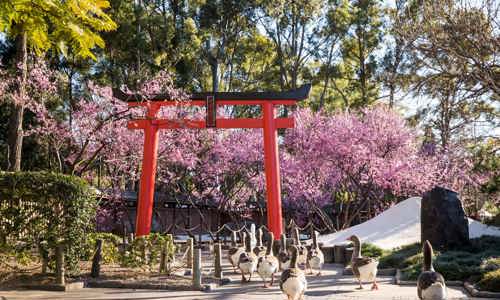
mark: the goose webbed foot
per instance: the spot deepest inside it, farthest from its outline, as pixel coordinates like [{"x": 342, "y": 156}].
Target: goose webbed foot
[
  {"x": 319, "y": 273},
  {"x": 375, "y": 286},
  {"x": 360, "y": 285}
]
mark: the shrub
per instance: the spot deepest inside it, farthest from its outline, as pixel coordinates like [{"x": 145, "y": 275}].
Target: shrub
[
  {"x": 483, "y": 243},
  {"x": 42, "y": 208},
  {"x": 146, "y": 250},
  {"x": 110, "y": 253},
  {"x": 490, "y": 281},
  {"x": 370, "y": 250},
  {"x": 467, "y": 263},
  {"x": 397, "y": 258},
  {"x": 490, "y": 264}
]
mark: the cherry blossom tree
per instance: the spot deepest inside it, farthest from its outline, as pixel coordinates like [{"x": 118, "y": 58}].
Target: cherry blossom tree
[{"x": 356, "y": 164}]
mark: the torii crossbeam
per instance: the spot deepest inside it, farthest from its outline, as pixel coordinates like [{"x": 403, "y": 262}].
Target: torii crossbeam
[{"x": 151, "y": 125}]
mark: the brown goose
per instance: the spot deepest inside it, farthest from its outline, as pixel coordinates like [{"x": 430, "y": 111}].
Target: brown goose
[
  {"x": 430, "y": 284},
  {"x": 233, "y": 254},
  {"x": 315, "y": 257},
  {"x": 302, "y": 258},
  {"x": 293, "y": 281},
  {"x": 364, "y": 268},
  {"x": 283, "y": 256},
  {"x": 247, "y": 262},
  {"x": 259, "y": 249},
  {"x": 268, "y": 264}
]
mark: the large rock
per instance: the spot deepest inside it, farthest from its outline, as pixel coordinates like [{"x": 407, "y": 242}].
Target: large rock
[{"x": 443, "y": 220}]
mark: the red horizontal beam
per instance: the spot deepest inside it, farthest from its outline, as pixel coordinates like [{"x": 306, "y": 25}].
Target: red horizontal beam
[
  {"x": 221, "y": 123},
  {"x": 218, "y": 102}
]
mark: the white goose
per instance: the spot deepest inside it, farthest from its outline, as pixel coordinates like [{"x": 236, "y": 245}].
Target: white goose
[
  {"x": 430, "y": 284},
  {"x": 302, "y": 258},
  {"x": 364, "y": 268},
  {"x": 247, "y": 262},
  {"x": 259, "y": 249},
  {"x": 283, "y": 256},
  {"x": 268, "y": 264},
  {"x": 233, "y": 254},
  {"x": 315, "y": 257},
  {"x": 293, "y": 281}
]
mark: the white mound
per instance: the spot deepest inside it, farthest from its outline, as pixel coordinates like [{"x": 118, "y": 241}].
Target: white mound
[{"x": 396, "y": 227}]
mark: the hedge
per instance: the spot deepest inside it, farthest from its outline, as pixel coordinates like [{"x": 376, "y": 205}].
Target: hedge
[{"x": 42, "y": 209}]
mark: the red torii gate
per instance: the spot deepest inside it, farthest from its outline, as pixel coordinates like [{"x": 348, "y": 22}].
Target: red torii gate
[{"x": 151, "y": 124}]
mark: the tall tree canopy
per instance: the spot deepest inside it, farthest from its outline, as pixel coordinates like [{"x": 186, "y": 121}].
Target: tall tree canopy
[{"x": 41, "y": 25}]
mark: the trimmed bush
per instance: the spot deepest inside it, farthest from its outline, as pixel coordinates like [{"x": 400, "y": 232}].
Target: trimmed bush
[
  {"x": 490, "y": 281},
  {"x": 110, "y": 253},
  {"x": 370, "y": 250},
  {"x": 41, "y": 210},
  {"x": 146, "y": 250},
  {"x": 400, "y": 257},
  {"x": 468, "y": 263}
]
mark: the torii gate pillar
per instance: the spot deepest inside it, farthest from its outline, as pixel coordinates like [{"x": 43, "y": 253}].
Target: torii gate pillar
[
  {"x": 145, "y": 203},
  {"x": 272, "y": 169}
]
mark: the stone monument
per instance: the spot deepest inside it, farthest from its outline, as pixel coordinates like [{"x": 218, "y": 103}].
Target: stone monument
[{"x": 442, "y": 219}]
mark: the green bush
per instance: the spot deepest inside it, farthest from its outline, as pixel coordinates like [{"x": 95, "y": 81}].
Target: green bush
[
  {"x": 42, "y": 208},
  {"x": 490, "y": 264},
  {"x": 110, "y": 253},
  {"x": 370, "y": 250},
  {"x": 490, "y": 281},
  {"x": 467, "y": 263},
  {"x": 146, "y": 250},
  {"x": 398, "y": 258},
  {"x": 482, "y": 244}
]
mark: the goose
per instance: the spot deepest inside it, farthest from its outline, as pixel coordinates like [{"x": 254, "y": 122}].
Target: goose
[
  {"x": 268, "y": 264},
  {"x": 315, "y": 257},
  {"x": 235, "y": 251},
  {"x": 283, "y": 256},
  {"x": 293, "y": 282},
  {"x": 364, "y": 268},
  {"x": 247, "y": 262},
  {"x": 302, "y": 255},
  {"x": 259, "y": 249},
  {"x": 430, "y": 284}
]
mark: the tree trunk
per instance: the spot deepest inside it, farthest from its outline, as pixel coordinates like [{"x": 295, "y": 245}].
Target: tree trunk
[
  {"x": 17, "y": 114},
  {"x": 215, "y": 76}
]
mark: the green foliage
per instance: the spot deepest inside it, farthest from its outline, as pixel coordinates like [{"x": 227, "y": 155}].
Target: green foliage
[
  {"x": 110, "y": 242},
  {"x": 490, "y": 281},
  {"x": 490, "y": 264},
  {"x": 467, "y": 263},
  {"x": 63, "y": 24},
  {"x": 46, "y": 208},
  {"x": 371, "y": 250},
  {"x": 146, "y": 250},
  {"x": 22, "y": 255},
  {"x": 400, "y": 257}
]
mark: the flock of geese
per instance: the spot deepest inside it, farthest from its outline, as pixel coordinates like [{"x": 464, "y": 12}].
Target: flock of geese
[{"x": 293, "y": 259}]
